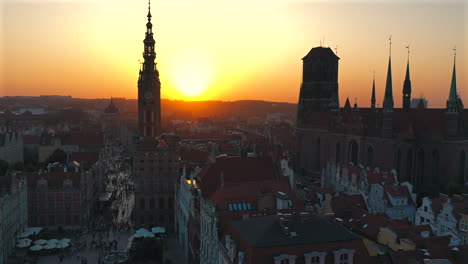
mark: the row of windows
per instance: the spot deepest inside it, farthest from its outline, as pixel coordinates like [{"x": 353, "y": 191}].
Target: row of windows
[
  {"x": 161, "y": 169},
  {"x": 160, "y": 161},
  {"x": 55, "y": 220},
  {"x": 241, "y": 206},
  {"x": 151, "y": 219},
  {"x": 340, "y": 258},
  {"x": 151, "y": 203},
  {"x": 149, "y": 186}
]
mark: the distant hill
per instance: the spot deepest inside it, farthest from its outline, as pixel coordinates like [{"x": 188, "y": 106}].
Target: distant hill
[{"x": 172, "y": 109}]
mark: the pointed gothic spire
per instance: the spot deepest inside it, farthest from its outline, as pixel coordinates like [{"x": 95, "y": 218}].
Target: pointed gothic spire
[
  {"x": 388, "y": 99},
  {"x": 452, "y": 102},
  {"x": 407, "y": 87},
  {"x": 373, "y": 94},
  {"x": 347, "y": 105},
  {"x": 149, "y": 10}
]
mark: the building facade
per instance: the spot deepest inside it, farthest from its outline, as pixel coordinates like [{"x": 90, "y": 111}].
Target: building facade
[
  {"x": 13, "y": 213},
  {"x": 425, "y": 146},
  {"x": 11, "y": 147}
]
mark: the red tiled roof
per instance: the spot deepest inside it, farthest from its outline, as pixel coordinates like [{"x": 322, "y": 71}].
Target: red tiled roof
[
  {"x": 398, "y": 191},
  {"x": 236, "y": 170},
  {"x": 82, "y": 138},
  {"x": 249, "y": 192},
  {"x": 379, "y": 178},
  {"x": 437, "y": 204}
]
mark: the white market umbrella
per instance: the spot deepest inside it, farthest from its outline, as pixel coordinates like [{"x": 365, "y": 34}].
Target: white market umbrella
[
  {"x": 148, "y": 235},
  {"x": 62, "y": 244},
  {"x": 24, "y": 243},
  {"x": 40, "y": 242},
  {"x": 142, "y": 230},
  {"x": 50, "y": 246},
  {"x": 158, "y": 230},
  {"x": 138, "y": 235},
  {"x": 35, "y": 248},
  {"x": 53, "y": 241},
  {"x": 66, "y": 240}
]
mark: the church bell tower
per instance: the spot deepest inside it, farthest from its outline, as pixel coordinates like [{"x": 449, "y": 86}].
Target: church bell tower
[{"x": 149, "y": 88}]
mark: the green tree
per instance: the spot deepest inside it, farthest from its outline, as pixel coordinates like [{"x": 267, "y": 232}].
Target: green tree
[
  {"x": 57, "y": 156},
  {"x": 146, "y": 250},
  {"x": 18, "y": 166}
]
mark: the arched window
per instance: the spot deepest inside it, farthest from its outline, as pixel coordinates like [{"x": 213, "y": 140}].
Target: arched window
[
  {"x": 370, "y": 156},
  {"x": 398, "y": 162},
  {"x": 151, "y": 203},
  {"x": 435, "y": 166},
  {"x": 353, "y": 152},
  {"x": 409, "y": 166},
  {"x": 461, "y": 168},
  {"x": 161, "y": 203},
  {"x": 142, "y": 203},
  {"x": 317, "y": 166},
  {"x": 420, "y": 172},
  {"x": 337, "y": 152}
]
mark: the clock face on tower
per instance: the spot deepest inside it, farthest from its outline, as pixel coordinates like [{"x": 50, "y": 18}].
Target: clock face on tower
[{"x": 148, "y": 97}]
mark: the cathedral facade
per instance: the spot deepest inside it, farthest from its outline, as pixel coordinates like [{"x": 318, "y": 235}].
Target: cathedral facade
[{"x": 424, "y": 146}]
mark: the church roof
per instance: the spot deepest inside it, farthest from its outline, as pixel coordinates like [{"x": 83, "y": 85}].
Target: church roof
[{"x": 321, "y": 52}]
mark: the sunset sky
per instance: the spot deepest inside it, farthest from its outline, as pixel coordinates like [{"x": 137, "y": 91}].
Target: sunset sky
[{"x": 230, "y": 50}]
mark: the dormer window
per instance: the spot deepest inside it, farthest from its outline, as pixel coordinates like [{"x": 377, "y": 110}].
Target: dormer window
[
  {"x": 285, "y": 259},
  {"x": 344, "y": 256},
  {"x": 315, "y": 257}
]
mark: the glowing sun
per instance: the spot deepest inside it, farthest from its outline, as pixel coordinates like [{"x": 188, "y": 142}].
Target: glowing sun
[{"x": 191, "y": 75}]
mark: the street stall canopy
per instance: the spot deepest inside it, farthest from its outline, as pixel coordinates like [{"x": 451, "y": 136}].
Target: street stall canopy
[
  {"x": 31, "y": 231},
  {"x": 24, "y": 243},
  {"x": 40, "y": 242},
  {"x": 158, "y": 230},
  {"x": 35, "y": 248}
]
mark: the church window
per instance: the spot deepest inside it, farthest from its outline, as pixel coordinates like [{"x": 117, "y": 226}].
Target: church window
[
  {"x": 461, "y": 168},
  {"x": 398, "y": 162},
  {"x": 161, "y": 203},
  {"x": 409, "y": 166},
  {"x": 370, "y": 156},
  {"x": 353, "y": 152},
  {"x": 435, "y": 166},
  {"x": 420, "y": 171},
  {"x": 337, "y": 153}
]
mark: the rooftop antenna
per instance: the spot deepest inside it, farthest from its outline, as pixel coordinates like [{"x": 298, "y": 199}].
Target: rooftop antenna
[
  {"x": 336, "y": 50},
  {"x": 407, "y": 47},
  {"x": 390, "y": 40},
  {"x": 454, "y": 53}
]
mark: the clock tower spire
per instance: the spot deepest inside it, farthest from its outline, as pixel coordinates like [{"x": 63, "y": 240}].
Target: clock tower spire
[{"x": 149, "y": 88}]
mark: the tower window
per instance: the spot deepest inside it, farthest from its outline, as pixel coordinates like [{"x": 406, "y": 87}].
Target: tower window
[
  {"x": 337, "y": 152},
  {"x": 148, "y": 116},
  {"x": 148, "y": 131}
]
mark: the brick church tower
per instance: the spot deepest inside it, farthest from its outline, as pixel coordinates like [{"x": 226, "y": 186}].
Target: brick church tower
[
  {"x": 319, "y": 88},
  {"x": 149, "y": 89}
]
